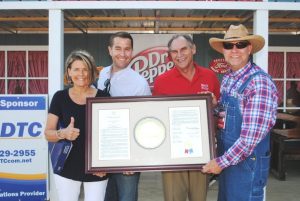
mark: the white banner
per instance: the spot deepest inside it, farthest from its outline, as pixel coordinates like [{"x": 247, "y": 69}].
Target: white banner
[
  {"x": 23, "y": 148},
  {"x": 151, "y": 55}
]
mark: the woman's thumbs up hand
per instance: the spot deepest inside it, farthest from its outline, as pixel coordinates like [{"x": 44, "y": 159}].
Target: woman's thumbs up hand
[{"x": 70, "y": 133}]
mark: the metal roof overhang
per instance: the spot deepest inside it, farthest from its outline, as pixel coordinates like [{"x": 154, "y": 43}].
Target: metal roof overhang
[{"x": 146, "y": 16}]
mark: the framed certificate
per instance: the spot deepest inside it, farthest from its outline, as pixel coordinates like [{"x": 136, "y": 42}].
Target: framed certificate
[{"x": 153, "y": 133}]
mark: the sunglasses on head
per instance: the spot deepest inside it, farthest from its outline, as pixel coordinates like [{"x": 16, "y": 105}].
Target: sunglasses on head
[{"x": 238, "y": 45}]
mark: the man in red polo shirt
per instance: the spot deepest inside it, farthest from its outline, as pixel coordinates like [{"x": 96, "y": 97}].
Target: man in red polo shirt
[{"x": 185, "y": 78}]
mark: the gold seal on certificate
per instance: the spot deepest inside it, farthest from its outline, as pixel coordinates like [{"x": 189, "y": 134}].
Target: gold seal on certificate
[{"x": 149, "y": 132}]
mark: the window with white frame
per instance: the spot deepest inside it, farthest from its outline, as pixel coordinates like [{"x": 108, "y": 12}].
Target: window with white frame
[
  {"x": 284, "y": 67},
  {"x": 24, "y": 70}
]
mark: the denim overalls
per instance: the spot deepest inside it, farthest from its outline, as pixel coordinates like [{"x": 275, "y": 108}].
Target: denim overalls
[{"x": 246, "y": 180}]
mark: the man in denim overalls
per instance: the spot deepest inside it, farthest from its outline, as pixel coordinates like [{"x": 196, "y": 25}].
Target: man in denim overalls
[{"x": 247, "y": 112}]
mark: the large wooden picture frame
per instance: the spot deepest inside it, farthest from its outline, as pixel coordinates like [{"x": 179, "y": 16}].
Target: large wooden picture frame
[{"x": 149, "y": 133}]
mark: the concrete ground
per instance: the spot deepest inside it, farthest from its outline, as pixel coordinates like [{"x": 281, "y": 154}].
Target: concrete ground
[{"x": 150, "y": 188}]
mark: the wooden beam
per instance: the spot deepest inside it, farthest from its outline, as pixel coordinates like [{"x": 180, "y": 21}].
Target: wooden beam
[
  {"x": 25, "y": 19},
  {"x": 284, "y": 19},
  {"x": 150, "y": 18},
  {"x": 161, "y": 29}
]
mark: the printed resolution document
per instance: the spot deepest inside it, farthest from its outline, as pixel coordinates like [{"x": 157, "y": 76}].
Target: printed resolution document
[
  {"x": 185, "y": 132},
  {"x": 114, "y": 138}
]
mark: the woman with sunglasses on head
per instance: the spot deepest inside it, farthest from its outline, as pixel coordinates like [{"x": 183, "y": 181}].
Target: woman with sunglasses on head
[
  {"x": 66, "y": 121},
  {"x": 247, "y": 106}
]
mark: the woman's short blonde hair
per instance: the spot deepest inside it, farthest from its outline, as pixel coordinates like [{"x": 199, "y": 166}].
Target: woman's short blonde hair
[{"x": 86, "y": 58}]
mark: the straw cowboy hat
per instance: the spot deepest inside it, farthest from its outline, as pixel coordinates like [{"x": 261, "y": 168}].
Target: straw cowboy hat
[{"x": 238, "y": 33}]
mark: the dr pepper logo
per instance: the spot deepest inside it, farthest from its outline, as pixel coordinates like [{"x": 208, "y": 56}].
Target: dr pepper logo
[
  {"x": 219, "y": 66},
  {"x": 152, "y": 62}
]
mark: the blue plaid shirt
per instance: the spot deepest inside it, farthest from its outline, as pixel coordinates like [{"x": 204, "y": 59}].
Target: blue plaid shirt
[{"x": 258, "y": 105}]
